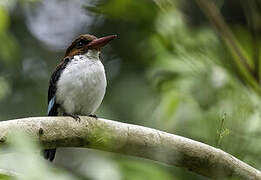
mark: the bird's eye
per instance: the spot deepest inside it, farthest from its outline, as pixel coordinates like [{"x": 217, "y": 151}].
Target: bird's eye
[{"x": 80, "y": 44}]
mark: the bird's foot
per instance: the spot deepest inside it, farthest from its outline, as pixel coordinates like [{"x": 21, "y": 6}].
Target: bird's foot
[
  {"x": 93, "y": 115},
  {"x": 74, "y": 116}
]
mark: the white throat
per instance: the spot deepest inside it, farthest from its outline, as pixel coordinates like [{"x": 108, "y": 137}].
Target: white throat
[{"x": 92, "y": 54}]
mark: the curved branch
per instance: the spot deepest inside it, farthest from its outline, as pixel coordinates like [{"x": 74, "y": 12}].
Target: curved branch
[{"x": 131, "y": 140}]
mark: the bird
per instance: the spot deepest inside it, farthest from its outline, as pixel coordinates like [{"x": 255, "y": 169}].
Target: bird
[{"x": 78, "y": 84}]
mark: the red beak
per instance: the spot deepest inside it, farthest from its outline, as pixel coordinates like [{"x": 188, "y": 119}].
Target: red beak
[{"x": 100, "y": 42}]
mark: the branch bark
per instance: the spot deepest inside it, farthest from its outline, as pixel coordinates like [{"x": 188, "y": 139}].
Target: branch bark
[{"x": 131, "y": 140}]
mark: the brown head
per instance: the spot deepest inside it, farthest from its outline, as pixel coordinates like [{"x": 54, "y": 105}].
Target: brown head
[{"x": 84, "y": 42}]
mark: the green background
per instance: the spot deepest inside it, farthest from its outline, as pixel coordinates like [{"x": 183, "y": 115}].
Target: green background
[{"x": 168, "y": 69}]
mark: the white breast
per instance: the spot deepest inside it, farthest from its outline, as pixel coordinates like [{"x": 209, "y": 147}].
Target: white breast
[{"x": 82, "y": 84}]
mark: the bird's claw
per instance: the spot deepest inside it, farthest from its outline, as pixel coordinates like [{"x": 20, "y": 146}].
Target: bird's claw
[
  {"x": 93, "y": 115},
  {"x": 75, "y": 117}
]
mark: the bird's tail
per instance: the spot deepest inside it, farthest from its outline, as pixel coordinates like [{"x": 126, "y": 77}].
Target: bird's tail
[{"x": 49, "y": 154}]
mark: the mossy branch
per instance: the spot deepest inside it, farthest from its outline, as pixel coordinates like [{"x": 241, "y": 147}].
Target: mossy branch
[{"x": 131, "y": 140}]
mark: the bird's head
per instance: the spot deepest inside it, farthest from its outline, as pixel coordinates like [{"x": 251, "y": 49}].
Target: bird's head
[{"x": 86, "y": 42}]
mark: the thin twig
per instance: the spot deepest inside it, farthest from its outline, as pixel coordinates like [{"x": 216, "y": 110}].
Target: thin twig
[{"x": 242, "y": 63}]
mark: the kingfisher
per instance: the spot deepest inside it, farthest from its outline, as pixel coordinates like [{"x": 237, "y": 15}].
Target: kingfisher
[{"x": 78, "y": 84}]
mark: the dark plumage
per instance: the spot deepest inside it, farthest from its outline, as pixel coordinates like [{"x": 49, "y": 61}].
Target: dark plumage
[
  {"x": 49, "y": 154},
  {"x": 79, "y": 45}
]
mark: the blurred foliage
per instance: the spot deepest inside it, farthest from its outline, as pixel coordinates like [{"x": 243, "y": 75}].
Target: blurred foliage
[
  {"x": 140, "y": 170},
  {"x": 169, "y": 69},
  {"x": 21, "y": 157}
]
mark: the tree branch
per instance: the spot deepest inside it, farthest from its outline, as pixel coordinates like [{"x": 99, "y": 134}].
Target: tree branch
[{"x": 131, "y": 140}]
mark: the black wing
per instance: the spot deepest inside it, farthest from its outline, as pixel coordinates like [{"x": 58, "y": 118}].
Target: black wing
[
  {"x": 49, "y": 154},
  {"x": 52, "y": 105}
]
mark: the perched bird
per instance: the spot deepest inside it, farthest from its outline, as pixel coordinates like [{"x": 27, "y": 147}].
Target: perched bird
[{"x": 77, "y": 86}]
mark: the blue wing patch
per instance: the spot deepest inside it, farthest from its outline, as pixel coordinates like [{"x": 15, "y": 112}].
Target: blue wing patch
[{"x": 50, "y": 104}]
